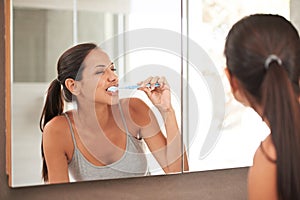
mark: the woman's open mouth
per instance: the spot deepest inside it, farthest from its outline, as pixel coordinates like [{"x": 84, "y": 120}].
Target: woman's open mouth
[{"x": 112, "y": 90}]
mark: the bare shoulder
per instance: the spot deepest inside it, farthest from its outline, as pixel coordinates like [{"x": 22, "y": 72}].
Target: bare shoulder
[
  {"x": 265, "y": 156},
  {"x": 139, "y": 111},
  {"x": 262, "y": 175},
  {"x": 269, "y": 148},
  {"x": 56, "y": 125},
  {"x": 56, "y": 135},
  {"x": 135, "y": 105},
  {"x": 58, "y": 149}
]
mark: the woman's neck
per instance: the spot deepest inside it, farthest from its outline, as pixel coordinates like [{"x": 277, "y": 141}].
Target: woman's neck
[
  {"x": 260, "y": 112},
  {"x": 94, "y": 115}
]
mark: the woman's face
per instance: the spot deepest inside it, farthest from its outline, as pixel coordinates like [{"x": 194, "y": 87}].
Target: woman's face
[{"x": 98, "y": 75}]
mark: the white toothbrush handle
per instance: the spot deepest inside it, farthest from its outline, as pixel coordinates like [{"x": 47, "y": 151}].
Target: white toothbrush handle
[{"x": 138, "y": 86}]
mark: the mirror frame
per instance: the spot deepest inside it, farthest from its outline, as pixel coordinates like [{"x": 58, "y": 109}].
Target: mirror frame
[
  {"x": 7, "y": 42},
  {"x": 191, "y": 185}
]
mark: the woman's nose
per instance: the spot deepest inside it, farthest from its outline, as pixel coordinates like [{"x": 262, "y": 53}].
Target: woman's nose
[{"x": 112, "y": 76}]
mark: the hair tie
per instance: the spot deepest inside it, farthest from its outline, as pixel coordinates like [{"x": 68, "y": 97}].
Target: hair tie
[{"x": 270, "y": 59}]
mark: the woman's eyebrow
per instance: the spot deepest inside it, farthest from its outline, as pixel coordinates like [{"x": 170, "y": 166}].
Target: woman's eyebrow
[
  {"x": 105, "y": 65},
  {"x": 100, "y": 66}
]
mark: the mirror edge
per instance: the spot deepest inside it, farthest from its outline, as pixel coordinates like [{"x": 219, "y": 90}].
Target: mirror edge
[{"x": 7, "y": 40}]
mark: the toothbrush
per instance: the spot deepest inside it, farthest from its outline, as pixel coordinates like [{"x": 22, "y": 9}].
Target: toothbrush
[{"x": 130, "y": 87}]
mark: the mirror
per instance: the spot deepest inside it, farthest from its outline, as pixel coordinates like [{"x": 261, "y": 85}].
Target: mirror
[
  {"x": 226, "y": 134},
  {"x": 43, "y": 30},
  {"x": 137, "y": 35}
]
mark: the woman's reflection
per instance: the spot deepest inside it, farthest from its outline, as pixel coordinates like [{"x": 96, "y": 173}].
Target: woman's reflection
[{"x": 102, "y": 138}]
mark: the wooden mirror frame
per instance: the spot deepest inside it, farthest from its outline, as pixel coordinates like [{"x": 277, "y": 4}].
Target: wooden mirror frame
[{"x": 7, "y": 54}]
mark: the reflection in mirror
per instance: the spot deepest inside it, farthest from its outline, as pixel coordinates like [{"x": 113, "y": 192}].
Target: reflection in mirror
[
  {"x": 226, "y": 134},
  {"x": 43, "y": 30}
]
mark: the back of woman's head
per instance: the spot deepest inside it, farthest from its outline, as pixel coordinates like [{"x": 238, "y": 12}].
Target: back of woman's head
[
  {"x": 252, "y": 40},
  {"x": 263, "y": 53},
  {"x": 70, "y": 65}
]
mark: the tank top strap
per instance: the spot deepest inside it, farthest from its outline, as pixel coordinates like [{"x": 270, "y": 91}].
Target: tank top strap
[
  {"x": 123, "y": 119},
  {"x": 266, "y": 155},
  {"x": 71, "y": 129}
]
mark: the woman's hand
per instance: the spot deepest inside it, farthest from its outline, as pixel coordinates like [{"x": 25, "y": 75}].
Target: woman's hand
[{"x": 160, "y": 95}]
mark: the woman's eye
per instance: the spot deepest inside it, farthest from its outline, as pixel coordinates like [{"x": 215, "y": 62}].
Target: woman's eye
[{"x": 100, "y": 72}]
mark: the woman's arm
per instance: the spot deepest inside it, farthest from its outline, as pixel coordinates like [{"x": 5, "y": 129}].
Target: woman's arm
[
  {"x": 174, "y": 144},
  {"x": 54, "y": 143},
  {"x": 167, "y": 150}
]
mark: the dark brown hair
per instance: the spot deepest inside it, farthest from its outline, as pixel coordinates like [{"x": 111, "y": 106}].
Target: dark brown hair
[
  {"x": 275, "y": 87},
  {"x": 69, "y": 66}
]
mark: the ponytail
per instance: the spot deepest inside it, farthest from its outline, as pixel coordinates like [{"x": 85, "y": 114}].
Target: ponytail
[
  {"x": 53, "y": 107},
  {"x": 281, "y": 109}
]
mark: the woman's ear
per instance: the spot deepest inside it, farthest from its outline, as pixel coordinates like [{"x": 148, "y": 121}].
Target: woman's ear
[
  {"x": 232, "y": 80},
  {"x": 72, "y": 86},
  {"x": 236, "y": 89}
]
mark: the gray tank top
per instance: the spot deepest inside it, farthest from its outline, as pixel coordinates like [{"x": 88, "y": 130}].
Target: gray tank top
[{"x": 133, "y": 163}]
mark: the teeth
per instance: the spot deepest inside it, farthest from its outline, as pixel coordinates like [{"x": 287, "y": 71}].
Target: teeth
[{"x": 112, "y": 89}]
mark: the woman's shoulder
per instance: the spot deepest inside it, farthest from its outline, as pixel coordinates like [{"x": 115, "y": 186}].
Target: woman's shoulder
[
  {"x": 138, "y": 110},
  {"x": 264, "y": 161},
  {"x": 262, "y": 174},
  {"x": 266, "y": 151},
  {"x": 134, "y": 103},
  {"x": 57, "y": 138},
  {"x": 265, "y": 158},
  {"x": 136, "y": 107},
  {"x": 57, "y": 125},
  {"x": 57, "y": 134},
  {"x": 56, "y": 122}
]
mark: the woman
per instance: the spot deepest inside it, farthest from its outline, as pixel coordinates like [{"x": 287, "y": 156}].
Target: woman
[
  {"x": 102, "y": 137},
  {"x": 263, "y": 63}
]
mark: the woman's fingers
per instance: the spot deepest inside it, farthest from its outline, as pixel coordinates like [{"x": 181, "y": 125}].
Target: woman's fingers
[{"x": 151, "y": 82}]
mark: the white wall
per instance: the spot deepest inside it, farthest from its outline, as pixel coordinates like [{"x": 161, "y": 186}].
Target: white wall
[{"x": 27, "y": 104}]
